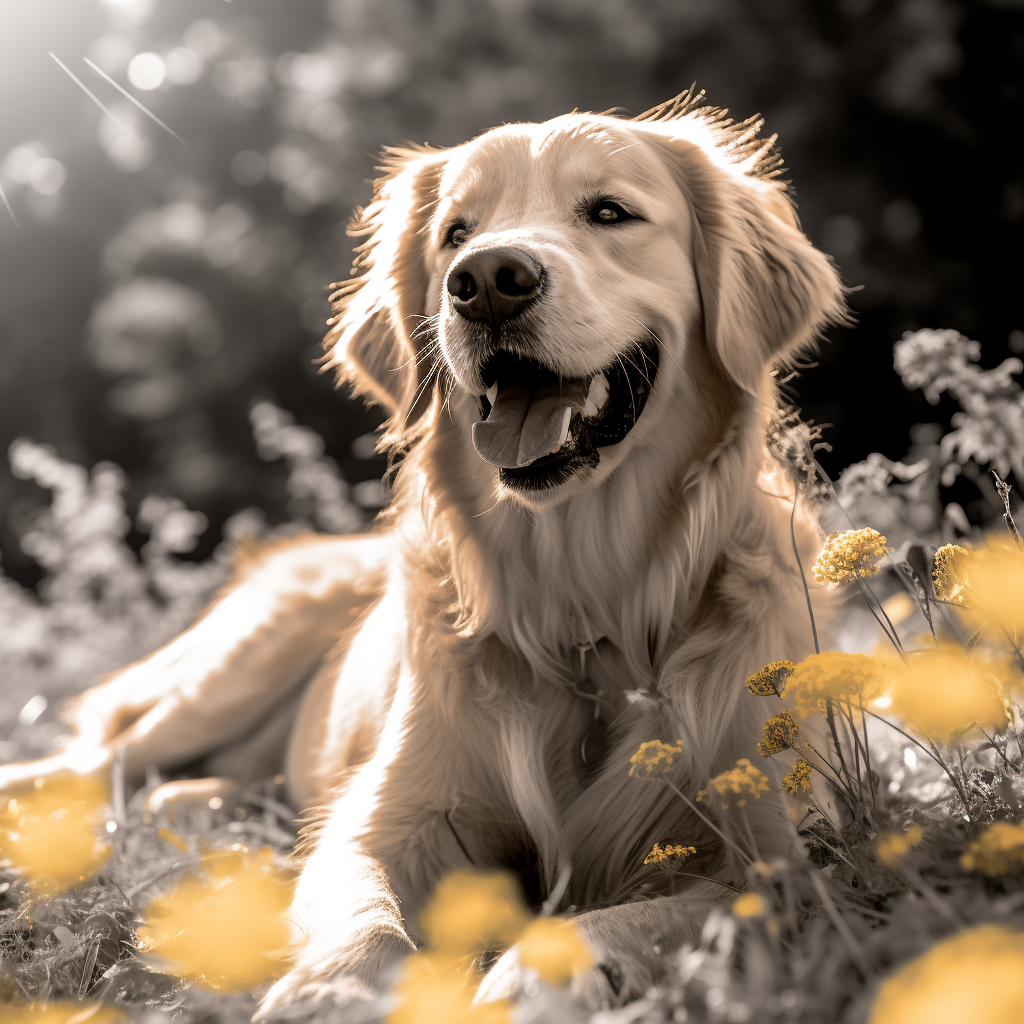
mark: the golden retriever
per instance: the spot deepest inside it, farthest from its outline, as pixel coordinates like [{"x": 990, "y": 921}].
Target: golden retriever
[{"x": 572, "y": 326}]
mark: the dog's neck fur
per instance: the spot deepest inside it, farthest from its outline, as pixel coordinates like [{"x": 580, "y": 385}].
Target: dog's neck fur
[{"x": 546, "y": 581}]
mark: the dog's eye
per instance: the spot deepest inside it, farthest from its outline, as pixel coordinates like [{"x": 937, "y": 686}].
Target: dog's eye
[
  {"x": 607, "y": 212},
  {"x": 457, "y": 235}
]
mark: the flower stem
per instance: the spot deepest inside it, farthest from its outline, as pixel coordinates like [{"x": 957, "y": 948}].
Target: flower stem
[
  {"x": 800, "y": 566},
  {"x": 703, "y": 817}
]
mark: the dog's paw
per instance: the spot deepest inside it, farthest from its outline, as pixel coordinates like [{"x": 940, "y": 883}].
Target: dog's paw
[
  {"x": 611, "y": 983},
  {"x": 299, "y": 993}
]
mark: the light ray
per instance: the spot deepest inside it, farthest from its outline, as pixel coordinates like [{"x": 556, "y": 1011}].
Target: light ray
[
  {"x": 88, "y": 92},
  {"x": 127, "y": 95},
  {"x": 3, "y": 196}
]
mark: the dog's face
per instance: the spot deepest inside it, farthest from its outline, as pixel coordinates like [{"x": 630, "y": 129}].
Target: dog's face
[
  {"x": 558, "y": 275},
  {"x": 559, "y": 261}
]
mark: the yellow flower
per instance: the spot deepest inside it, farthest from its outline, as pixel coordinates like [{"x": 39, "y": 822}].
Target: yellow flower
[
  {"x": 736, "y": 786},
  {"x": 438, "y": 989},
  {"x": 943, "y": 692},
  {"x": 555, "y": 949},
  {"x": 977, "y": 975},
  {"x": 61, "y": 1013},
  {"x": 847, "y": 677},
  {"x": 660, "y": 854},
  {"x": 891, "y": 846},
  {"x": 52, "y": 832},
  {"x": 750, "y": 904},
  {"x": 769, "y": 681},
  {"x": 780, "y": 733},
  {"x": 797, "y": 783},
  {"x": 999, "y": 850},
  {"x": 653, "y": 758},
  {"x": 949, "y": 574},
  {"x": 470, "y": 912},
  {"x": 994, "y": 592},
  {"x": 849, "y": 555},
  {"x": 222, "y": 929}
]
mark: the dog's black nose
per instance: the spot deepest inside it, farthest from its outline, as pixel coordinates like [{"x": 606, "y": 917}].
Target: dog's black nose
[{"x": 494, "y": 285}]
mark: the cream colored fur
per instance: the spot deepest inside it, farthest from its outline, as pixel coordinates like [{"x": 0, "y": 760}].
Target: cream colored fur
[{"x": 457, "y": 687}]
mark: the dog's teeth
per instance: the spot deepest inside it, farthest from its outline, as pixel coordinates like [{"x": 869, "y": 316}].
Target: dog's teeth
[
  {"x": 596, "y": 396},
  {"x": 491, "y": 393},
  {"x": 563, "y": 434}
]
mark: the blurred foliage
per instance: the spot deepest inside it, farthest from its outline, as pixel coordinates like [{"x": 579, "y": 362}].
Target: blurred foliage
[{"x": 154, "y": 291}]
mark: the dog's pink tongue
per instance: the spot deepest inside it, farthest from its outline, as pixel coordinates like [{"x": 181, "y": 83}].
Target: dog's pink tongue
[{"x": 525, "y": 421}]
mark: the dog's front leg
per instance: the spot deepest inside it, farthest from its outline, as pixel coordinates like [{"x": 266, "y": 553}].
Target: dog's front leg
[
  {"x": 377, "y": 858},
  {"x": 351, "y": 935},
  {"x": 626, "y": 942}
]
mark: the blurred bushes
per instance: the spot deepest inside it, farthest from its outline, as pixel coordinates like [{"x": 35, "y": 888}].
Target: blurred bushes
[{"x": 157, "y": 290}]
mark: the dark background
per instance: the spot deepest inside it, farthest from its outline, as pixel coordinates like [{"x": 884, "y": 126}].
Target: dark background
[{"x": 152, "y": 290}]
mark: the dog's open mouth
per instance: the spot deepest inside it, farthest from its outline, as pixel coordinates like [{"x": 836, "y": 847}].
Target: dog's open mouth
[{"x": 538, "y": 428}]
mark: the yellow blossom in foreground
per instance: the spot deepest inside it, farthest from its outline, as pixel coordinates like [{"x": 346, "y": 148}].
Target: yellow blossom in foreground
[
  {"x": 769, "y": 681},
  {"x": 797, "y": 783},
  {"x": 849, "y": 555},
  {"x": 654, "y": 758},
  {"x": 999, "y": 850},
  {"x": 943, "y": 692},
  {"x": 668, "y": 852},
  {"x": 222, "y": 929},
  {"x": 61, "y": 1013},
  {"x": 780, "y": 733},
  {"x": 438, "y": 989},
  {"x": 471, "y": 911},
  {"x": 891, "y": 846},
  {"x": 555, "y": 949},
  {"x": 976, "y": 976},
  {"x": 846, "y": 677},
  {"x": 750, "y": 904},
  {"x": 994, "y": 593},
  {"x": 52, "y": 832},
  {"x": 949, "y": 573},
  {"x": 736, "y": 786}
]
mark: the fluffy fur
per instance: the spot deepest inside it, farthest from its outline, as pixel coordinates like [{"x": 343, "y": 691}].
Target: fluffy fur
[{"x": 458, "y": 691}]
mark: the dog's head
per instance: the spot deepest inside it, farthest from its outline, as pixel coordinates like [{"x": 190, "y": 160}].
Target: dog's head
[{"x": 561, "y": 283}]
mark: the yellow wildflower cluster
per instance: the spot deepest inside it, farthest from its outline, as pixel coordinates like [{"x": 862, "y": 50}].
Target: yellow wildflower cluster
[
  {"x": 943, "y": 692},
  {"x": 977, "y": 975},
  {"x": 846, "y": 677},
  {"x": 469, "y": 913},
  {"x": 438, "y": 989},
  {"x": 654, "y": 758},
  {"x": 780, "y": 733},
  {"x": 750, "y": 904},
  {"x": 769, "y": 681},
  {"x": 736, "y": 786},
  {"x": 994, "y": 589},
  {"x": 999, "y": 850},
  {"x": 849, "y": 555},
  {"x": 554, "y": 948},
  {"x": 223, "y": 928},
  {"x": 891, "y": 846},
  {"x": 797, "y": 783},
  {"x": 949, "y": 574},
  {"x": 53, "y": 832},
  {"x": 988, "y": 583},
  {"x": 668, "y": 852},
  {"x": 62, "y": 1013}
]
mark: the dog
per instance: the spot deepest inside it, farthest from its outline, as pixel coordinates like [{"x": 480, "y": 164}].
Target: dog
[{"x": 572, "y": 327}]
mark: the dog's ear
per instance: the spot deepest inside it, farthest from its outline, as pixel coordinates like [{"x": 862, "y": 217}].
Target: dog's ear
[
  {"x": 380, "y": 310},
  {"x": 765, "y": 290}
]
